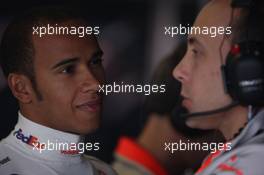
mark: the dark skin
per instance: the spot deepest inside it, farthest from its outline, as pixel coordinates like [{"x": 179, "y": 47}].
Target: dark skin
[{"x": 68, "y": 73}]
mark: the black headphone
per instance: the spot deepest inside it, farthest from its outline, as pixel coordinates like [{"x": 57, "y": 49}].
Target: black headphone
[{"x": 243, "y": 72}]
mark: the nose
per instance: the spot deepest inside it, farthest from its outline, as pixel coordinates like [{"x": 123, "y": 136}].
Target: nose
[
  {"x": 182, "y": 70},
  {"x": 89, "y": 83}
]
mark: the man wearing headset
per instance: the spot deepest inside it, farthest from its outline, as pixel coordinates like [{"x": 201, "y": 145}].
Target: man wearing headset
[
  {"x": 55, "y": 79},
  {"x": 145, "y": 154},
  {"x": 222, "y": 85}
]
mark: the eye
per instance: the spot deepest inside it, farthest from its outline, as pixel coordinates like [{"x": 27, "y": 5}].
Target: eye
[
  {"x": 194, "y": 51},
  {"x": 68, "y": 69},
  {"x": 97, "y": 61}
]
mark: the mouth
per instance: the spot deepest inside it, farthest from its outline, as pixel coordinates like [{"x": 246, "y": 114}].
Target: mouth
[{"x": 90, "y": 106}]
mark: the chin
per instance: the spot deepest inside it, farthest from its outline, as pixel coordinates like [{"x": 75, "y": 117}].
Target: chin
[
  {"x": 88, "y": 127},
  {"x": 87, "y": 122},
  {"x": 87, "y": 131},
  {"x": 204, "y": 123}
]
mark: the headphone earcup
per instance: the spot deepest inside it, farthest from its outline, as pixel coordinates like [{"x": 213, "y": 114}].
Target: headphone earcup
[{"x": 244, "y": 74}]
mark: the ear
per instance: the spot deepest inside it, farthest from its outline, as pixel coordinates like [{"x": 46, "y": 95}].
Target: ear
[{"x": 21, "y": 88}]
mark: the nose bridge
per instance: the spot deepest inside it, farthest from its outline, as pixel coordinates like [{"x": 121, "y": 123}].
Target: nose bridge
[
  {"x": 182, "y": 70},
  {"x": 89, "y": 81}
]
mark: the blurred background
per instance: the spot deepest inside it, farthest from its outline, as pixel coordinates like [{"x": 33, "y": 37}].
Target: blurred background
[{"x": 133, "y": 40}]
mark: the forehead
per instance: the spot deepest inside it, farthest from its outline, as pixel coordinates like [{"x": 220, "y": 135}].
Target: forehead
[
  {"x": 51, "y": 48},
  {"x": 216, "y": 13},
  {"x": 63, "y": 43}
]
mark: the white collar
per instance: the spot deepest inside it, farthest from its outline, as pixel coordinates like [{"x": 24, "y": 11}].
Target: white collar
[{"x": 28, "y": 135}]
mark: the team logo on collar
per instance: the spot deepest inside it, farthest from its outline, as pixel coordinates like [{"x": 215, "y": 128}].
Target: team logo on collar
[
  {"x": 30, "y": 140},
  {"x": 72, "y": 150}
]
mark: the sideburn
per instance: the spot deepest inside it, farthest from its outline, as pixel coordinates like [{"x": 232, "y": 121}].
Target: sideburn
[{"x": 35, "y": 88}]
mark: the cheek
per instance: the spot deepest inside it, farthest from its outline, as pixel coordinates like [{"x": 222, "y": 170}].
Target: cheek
[
  {"x": 216, "y": 76},
  {"x": 198, "y": 75},
  {"x": 56, "y": 92},
  {"x": 60, "y": 103},
  {"x": 205, "y": 79}
]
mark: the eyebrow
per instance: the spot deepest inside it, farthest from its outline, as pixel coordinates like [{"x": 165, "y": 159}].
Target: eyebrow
[
  {"x": 66, "y": 61},
  {"x": 75, "y": 59},
  {"x": 193, "y": 40}
]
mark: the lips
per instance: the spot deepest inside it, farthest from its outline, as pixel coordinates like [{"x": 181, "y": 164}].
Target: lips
[{"x": 90, "y": 106}]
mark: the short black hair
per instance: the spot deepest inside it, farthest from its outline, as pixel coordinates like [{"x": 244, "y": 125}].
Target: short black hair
[{"x": 17, "y": 49}]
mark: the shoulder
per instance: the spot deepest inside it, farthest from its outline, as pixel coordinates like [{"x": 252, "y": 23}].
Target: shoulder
[
  {"x": 246, "y": 160},
  {"x": 14, "y": 162},
  {"x": 8, "y": 160},
  {"x": 100, "y": 166},
  {"x": 249, "y": 159},
  {"x": 4, "y": 153}
]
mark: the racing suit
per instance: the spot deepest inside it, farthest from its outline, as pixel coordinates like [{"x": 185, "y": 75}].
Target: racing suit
[
  {"x": 34, "y": 149},
  {"x": 246, "y": 154}
]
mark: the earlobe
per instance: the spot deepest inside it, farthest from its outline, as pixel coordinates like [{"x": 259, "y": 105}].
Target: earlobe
[{"x": 20, "y": 87}]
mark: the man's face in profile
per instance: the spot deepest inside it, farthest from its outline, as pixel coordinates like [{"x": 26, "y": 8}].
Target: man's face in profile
[
  {"x": 68, "y": 73},
  {"x": 199, "y": 71}
]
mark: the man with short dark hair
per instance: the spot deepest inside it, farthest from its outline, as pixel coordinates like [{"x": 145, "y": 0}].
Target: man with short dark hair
[
  {"x": 55, "y": 79},
  {"x": 234, "y": 107}
]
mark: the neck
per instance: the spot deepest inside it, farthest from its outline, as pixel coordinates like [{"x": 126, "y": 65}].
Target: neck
[
  {"x": 234, "y": 119},
  {"x": 154, "y": 143},
  {"x": 34, "y": 115}
]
